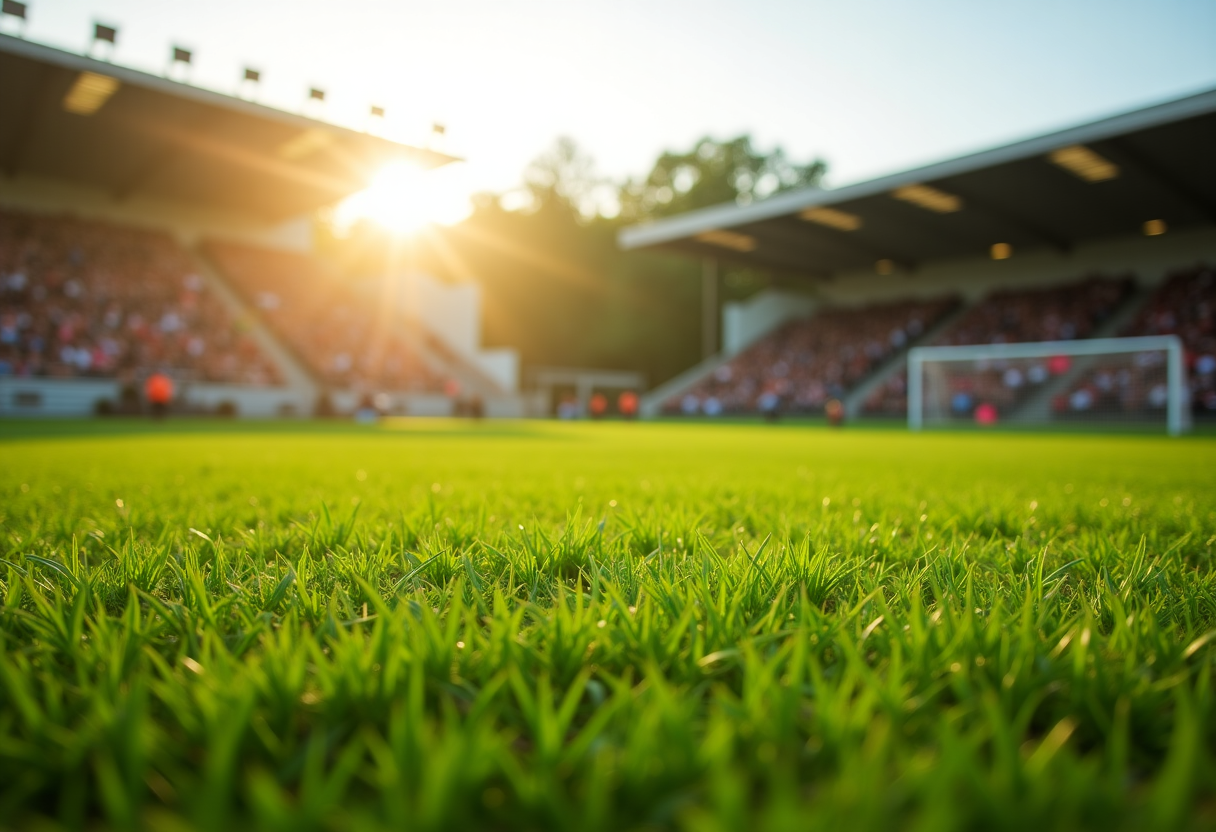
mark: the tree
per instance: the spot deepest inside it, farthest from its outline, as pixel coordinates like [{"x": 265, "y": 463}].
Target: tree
[
  {"x": 563, "y": 177},
  {"x": 713, "y": 173}
]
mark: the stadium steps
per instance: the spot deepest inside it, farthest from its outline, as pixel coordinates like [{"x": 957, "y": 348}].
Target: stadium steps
[
  {"x": 855, "y": 399},
  {"x": 651, "y": 402},
  {"x": 448, "y": 362},
  {"x": 293, "y": 370},
  {"x": 1037, "y": 408}
]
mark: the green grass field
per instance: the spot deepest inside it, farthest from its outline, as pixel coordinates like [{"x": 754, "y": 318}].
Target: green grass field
[{"x": 434, "y": 625}]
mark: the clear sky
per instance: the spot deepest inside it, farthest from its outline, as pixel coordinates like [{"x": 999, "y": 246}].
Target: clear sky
[{"x": 872, "y": 86}]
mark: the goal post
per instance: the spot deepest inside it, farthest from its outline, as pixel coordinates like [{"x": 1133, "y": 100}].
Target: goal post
[{"x": 1099, "y": 381}]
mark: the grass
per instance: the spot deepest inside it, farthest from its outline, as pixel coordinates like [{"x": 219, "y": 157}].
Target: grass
[{"x": 432, "y": 625}]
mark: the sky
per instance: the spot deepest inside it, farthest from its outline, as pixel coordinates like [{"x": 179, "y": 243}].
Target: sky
[{"x": 870, "y": 86}]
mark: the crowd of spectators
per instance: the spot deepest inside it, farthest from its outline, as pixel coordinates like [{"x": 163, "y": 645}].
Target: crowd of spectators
[
  {"x": 345, "y": 330},
  {"x": 1184, "y": 305},
  {"x": 84, "y": 298},
  {"x": 1060, "y": 313},
  {"x": 803, "y": 365}
]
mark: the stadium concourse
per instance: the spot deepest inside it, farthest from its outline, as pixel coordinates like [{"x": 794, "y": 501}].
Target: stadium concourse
[
  {"x": 1102, "y": 230},
  {"x": 151, "y": 226}
]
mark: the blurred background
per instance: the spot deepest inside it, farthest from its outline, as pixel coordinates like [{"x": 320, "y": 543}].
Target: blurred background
[{"x": 534, "y": 208}]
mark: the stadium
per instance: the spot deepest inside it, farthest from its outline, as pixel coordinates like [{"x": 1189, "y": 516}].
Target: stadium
[{"x": 924, "y": 540}]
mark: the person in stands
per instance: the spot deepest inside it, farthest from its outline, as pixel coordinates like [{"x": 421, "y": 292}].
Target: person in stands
[
  {"x": 627, "y": 404},
  {"x": 834, "y": 410},
  {"x": 158, "y": 390},
  {"x": 598, "y": 405}
]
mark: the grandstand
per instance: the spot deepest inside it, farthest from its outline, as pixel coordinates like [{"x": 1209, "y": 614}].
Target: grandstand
[
  {"x": 149, "y": 225},
  {"x": 1104, "y": 229}
]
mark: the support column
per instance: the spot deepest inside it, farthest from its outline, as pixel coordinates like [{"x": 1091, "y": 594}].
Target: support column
[{"x": 709, "y": 307}]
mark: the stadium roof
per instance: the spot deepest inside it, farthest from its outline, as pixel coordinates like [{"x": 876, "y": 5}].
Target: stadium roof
[
  {"x": 1103, "y": 179},
  {"x": 69, "y": 117}
]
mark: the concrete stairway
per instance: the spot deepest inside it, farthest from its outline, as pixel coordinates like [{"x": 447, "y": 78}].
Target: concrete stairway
[
  {"x": 294, "y": 373},
  {"x": 855, "y": 399},
  {"x": 1037, "y": 408}
]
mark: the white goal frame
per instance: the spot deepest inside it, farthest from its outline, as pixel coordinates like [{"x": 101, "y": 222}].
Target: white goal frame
[{"x": 1177, "y": 404}]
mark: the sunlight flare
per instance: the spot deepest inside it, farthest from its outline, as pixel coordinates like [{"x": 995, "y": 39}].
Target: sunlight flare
[{"x": 404, "y": 199}]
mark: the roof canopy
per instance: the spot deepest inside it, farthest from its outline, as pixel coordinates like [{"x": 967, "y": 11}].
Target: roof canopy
[
  {"x": 1104, "y": 179},
  {"x": 129, "y": 133}
]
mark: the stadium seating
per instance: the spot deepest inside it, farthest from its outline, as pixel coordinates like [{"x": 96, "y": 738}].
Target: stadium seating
[
  {"x": 344, "y": 331},
  {"x": 1184, "y": 305},
  {"x": 1059, "y": 313},
  {"x": 805, "y": 363},
  {"x": 84, "y": 298}
]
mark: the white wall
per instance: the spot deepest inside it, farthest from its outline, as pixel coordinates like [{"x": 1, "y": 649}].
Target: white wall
[
  {"x": 452, "y": 312},
  {"x": 745, "y": 322},
  {"x": 1148, "y": 258},
  {"x": 500, "y": 364}
]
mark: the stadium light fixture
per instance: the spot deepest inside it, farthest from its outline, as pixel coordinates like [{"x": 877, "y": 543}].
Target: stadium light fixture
[
  {"x": 1083, "y": 163},
  {"x": 252, "y": 75},
  {"x": 104, "y": 34},
  {"x": 377, "y": 112},
  {"x": 728, "y": 239},
  {"x": 832, "y": 218},
  {"x": 179, "y": 63},
  {"x": 885, "y": 267},
  {"x": 89, "y": 93},
  {"x": 314, "y": 104},
  {"x": 929, "y": 198},
  {"x": 1154, "y": 228},
  {"x": 15, "y": 10},
  {"x": 1001, "y": 251}
]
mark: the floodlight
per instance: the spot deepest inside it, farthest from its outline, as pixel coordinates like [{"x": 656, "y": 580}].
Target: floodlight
[
  {"x": 15, "y": 10},
  {"x": 1154, "y": 228},
  {"x": 107, "y": 34},
  {"x": 728, "y": 239},
  {"x": 377, "y": 112},
  {"x": 305, "y": 144},
  {"x": 929, "y": 198},
  {"x": 885, "y": 267},
  {"x": 252, "y": 75},
  {"x": 181, "y": 56},
  {"x": 1001, "y": 251},
  {"x": 832, "y": 218},
  {"x": 1084, "y": 163},
  {"x": 89, "y": 93},
  {"x": 315, "y": 94}
]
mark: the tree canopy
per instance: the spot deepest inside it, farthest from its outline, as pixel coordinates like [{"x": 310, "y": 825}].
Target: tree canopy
[{"x": 713, "y": 173}]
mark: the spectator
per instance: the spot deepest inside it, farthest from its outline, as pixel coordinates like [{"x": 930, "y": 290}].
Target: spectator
[
  {"x": 87, "y": 298},
  {"x": 598, "y": 405},
  {"x": 804, "y": 364},
  {"x": 342, "y": 328},
  {"x": 627, "y": 404},
  {"x": 159, "y": 391},
  {"x": 1058, "y": 313}
]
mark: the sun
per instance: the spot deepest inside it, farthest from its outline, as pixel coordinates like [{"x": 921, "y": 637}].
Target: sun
[{"x": 404, "y": 199}]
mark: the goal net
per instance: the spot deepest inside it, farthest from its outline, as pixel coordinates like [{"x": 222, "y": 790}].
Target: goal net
[{"x": 1102, "y": 381}]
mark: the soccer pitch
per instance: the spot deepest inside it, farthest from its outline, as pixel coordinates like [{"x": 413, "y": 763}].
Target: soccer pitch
[{"x": 442, "y": 625}]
